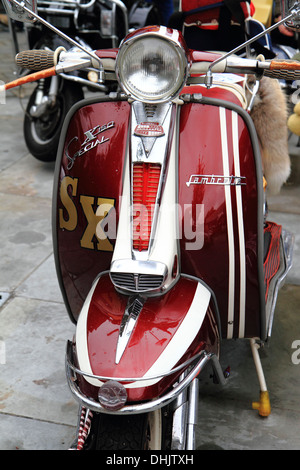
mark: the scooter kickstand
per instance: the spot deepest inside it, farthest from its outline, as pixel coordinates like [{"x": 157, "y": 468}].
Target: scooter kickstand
[{"x": 263, "y": 405}]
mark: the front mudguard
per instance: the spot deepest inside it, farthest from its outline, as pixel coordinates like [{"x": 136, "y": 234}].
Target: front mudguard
[{"x": 173, "y": 333}]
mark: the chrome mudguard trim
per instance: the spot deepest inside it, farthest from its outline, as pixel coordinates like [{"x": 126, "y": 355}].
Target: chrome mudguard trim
[{"x": 202, "y": 359}]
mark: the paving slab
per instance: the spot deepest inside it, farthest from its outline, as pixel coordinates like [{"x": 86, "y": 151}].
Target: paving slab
[
  {"x": 28, "y": 434},
  {"x": 33, "y": 383},
  {"x": 25, "y": 237}
]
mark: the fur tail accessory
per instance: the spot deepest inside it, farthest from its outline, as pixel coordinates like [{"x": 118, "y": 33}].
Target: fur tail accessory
[{"x": 269, "y": 115}]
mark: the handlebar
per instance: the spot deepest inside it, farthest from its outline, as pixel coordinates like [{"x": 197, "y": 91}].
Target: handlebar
[
  {"x": 35, "y": 59},
  {"x": 277, "y": 69},
  {"x": 62, "y": 61},
  {"x": 284, "y": 70},
  {"x": 57, "y": 62}
]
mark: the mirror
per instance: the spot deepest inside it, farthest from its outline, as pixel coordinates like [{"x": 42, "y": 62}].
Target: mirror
[
  {"x": 16, "y": 11},
  {"x": 286, "y": 8}
]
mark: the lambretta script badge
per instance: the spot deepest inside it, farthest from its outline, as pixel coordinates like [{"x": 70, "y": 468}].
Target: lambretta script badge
[
  {"x": 217, "y": 180},
  {"x": 149, "y": 129},
  {"x": 91, "y": 141}
]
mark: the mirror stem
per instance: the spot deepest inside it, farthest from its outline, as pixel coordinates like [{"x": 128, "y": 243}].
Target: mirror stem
[{"x": 208, "y": 78}]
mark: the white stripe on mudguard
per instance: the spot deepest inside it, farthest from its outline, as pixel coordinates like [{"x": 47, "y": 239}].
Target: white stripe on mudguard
[
  {"x": 181, "y": 340},
  {"x": 173, "y": 352},
  {"x": 229, "y": 224},
  {"x": 239, "y": 202},
  {"x": 81, "y": 339}
]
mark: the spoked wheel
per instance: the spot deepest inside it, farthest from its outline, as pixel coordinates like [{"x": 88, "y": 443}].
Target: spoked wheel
[
  {"x": 132, "y": 432},
  {"x": 42, "y": 132}
]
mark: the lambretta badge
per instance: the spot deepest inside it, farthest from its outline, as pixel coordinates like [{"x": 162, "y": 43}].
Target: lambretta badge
[
  {"x": 91, "y": 141},
  {"x": 149, "y": 129},
  {"x": 217, "y": 180}
]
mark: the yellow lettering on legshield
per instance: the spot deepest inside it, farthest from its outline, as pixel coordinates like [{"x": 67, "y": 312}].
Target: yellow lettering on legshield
[
  {"x": 99, "y": 229},
  {"x": 71, "y": 222}
]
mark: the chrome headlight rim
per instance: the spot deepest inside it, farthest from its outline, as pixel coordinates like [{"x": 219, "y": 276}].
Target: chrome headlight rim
[{"x": 164, "y": 36}]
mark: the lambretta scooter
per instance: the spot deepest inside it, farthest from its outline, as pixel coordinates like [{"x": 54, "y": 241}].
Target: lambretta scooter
[{"x": 161, "y": 241}]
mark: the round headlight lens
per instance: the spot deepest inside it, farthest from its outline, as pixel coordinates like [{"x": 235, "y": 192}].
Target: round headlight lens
[{"x": 152, "y": 69}]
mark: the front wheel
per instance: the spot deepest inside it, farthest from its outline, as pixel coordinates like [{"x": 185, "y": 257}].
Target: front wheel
[
  {"x": 130, "y": 432},
  {"x": 42, "y": 132}
]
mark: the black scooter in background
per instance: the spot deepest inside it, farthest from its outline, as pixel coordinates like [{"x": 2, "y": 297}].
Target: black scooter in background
[{"x": 91, "y": 23}]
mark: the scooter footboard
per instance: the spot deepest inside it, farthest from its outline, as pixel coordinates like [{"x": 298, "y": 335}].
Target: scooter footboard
[
  {"x": 278, "y": 258},
  {"x": 143, "y": 344}
]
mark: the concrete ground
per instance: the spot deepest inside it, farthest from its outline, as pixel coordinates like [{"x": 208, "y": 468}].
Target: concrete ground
[{"x": 37, "y": 411}]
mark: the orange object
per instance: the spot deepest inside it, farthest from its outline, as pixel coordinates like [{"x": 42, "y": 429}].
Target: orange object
[
  {"x": 33, "y": 77},
  {"x": 263, "y": 405},
  {"x": 285, "y": 65}
]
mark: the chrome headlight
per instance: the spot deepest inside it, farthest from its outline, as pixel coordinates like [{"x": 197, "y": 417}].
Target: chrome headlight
[{"x": 152, "y": 64}]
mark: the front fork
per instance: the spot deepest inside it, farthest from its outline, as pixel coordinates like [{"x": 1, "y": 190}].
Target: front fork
[
  {"x": 44, "y": 101},
  {"x": 185, "y": 415},
  {"x": 185, "y": 418}
]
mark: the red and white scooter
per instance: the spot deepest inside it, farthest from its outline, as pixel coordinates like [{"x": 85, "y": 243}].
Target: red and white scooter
[{"x": 160, "y": 239}]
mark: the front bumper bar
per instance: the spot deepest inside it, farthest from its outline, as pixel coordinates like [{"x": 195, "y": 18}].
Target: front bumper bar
[{"x": 200, "y": 361}]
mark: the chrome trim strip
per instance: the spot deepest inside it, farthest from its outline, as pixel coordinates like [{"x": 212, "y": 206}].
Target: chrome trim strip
[
  {"x": 143, "y": 407},
  {"x": 132, "y": 311},
  {"x": 138, "y": 267}
]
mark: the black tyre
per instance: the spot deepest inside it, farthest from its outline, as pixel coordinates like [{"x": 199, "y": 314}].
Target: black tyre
[
  {"x": 132, "y": 432},
  {"x": 42, "y": 133}
]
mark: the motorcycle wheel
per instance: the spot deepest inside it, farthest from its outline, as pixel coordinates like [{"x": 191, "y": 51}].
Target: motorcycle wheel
[
  {"x": 42, "y": 133},
  {"x": 132, "y": 432}
]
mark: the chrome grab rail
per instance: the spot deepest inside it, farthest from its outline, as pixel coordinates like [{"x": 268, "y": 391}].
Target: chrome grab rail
[{"x": 145, "y": 407}]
